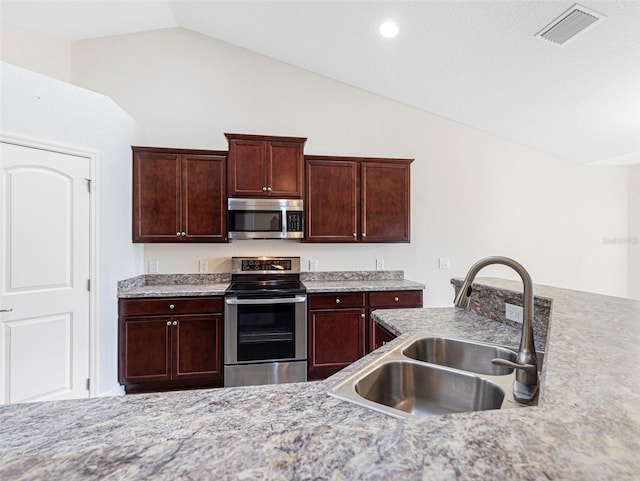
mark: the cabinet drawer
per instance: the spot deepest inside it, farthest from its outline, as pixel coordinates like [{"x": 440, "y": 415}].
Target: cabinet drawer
[
  {"x": 395, "y": 299},
  {"x": 336, "y": 300},
  {"x": 170, "y": 305}
]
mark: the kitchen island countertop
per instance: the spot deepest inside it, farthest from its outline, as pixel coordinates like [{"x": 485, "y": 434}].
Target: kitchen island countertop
[{"x": 587, "y": 425}]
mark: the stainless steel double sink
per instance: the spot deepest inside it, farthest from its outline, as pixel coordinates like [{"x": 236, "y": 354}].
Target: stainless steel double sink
[{"x": 427, "y": 375}]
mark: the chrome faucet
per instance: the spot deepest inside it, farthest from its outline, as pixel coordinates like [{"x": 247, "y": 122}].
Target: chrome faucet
[{"x": 526, "y": 384}]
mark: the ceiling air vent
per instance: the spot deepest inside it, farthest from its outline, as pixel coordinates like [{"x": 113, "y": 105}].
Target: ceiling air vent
[{"x": 572, "y": 22}]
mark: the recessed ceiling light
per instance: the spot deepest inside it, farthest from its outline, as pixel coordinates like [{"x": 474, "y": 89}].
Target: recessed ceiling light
[{"x": 388, "y": 29}]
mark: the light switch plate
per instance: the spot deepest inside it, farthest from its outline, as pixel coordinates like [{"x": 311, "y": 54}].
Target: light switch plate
[
  {"x": 379, "y": 264},
  {"x": 153, "y": 267}
]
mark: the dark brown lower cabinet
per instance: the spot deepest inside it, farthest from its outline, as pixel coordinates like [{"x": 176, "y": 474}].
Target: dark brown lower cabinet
[
  {"x": 341, "y": 330},
  {"x": 337, "y": 332},
  {"x": 170, "y": 343},
  {"x": 380, "y": 336}
]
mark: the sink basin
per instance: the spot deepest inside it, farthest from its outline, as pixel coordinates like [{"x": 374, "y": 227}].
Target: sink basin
[
  {"x": 421, "y": 389},
  {"x": 426, "y": 375},
  {"x": 471, "y": 356}
]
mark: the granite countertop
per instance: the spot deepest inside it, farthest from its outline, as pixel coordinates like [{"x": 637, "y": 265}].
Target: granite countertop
[
  {"x": 193, "y": 285},
  {"x": 587, "y": 425}
]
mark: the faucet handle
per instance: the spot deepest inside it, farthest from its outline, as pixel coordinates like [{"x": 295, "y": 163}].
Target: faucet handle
[{"x": 514, "y": 365}]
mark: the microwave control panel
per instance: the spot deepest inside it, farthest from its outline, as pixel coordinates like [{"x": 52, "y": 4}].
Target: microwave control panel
[{"x": 294, "y": 221}]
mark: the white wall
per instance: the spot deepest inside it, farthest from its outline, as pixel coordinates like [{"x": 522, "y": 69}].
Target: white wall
[
  {"x": 49, "y": 110},
  {"x": 473, "y": 194},
  {"x": 36, "y": 51},
  {"x": 634, "y": 232}
]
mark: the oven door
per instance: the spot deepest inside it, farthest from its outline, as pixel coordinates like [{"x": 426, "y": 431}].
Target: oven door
[{"x": 265, "y": 330}]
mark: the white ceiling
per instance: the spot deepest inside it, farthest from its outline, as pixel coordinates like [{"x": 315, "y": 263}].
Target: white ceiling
[{"x": 475, "y": 62}]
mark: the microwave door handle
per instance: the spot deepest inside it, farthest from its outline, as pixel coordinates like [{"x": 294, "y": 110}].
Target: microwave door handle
[{"x": 278, "y": 300}]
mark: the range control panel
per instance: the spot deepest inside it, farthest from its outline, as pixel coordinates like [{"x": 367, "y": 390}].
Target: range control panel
[
  {"x": 272, "y": 265},
  {"x": 262, "y": 265}
]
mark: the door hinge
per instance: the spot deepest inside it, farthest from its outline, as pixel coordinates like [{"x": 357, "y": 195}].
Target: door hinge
[
  {"x": 88, "y": 284},
  {"x": 88, "y": 384},
  {"x": 88, "y": 184}
]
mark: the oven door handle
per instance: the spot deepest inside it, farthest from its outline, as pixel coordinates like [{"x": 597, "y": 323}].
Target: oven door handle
[{"x": 276, "y": 300}]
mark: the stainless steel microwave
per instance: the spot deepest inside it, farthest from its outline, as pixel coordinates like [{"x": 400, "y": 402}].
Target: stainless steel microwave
[{"x": 265, "y": 218}]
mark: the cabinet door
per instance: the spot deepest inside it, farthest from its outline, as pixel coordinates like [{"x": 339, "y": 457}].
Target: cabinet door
[
  {"x": 332, "y": 200},
  {"x": 336, "y": 339},
  {"x": 385, "y": 202},
  {"x": 145, "y": 349},
  {"x": 197, "y": 346},
  {"x": 156, "y": 197},
  {"x": 204, "y": 198},
  {"x": 247, "y": 168},
  {"x": 380, "y": 336},
  {"x": 285, "y": 169}
]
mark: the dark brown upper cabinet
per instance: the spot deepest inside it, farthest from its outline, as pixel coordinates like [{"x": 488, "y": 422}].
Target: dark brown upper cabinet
[
  {"x": 353, "y": 199},
  {"x": 179, "y": 195},
  {"x": 265, "y": 166}
]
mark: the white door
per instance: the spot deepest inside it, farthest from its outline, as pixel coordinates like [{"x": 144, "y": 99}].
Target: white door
[{"x": 45, "y": 263}]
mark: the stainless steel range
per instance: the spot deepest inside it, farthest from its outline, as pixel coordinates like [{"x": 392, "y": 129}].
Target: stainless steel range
[{"x": 265, "y": 340}]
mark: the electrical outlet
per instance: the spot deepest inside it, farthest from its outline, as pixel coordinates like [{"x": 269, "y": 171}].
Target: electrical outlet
[
  {"x": 513, "y": 313},
  {"x": 379, "y": 264},
  {"x": 443, "y": 262},
  {"x": 154, "y": 267},
  {"x": 313, "y": 265},
  {"x": 203, "y": 266}
]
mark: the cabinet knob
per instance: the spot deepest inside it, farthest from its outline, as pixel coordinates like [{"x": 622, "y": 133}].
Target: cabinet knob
[
  {"x": 172, "y": 306},
  {"x": 264, "y": 189},
  {"x": 364, "y": 234},
  {"x": 168, "y": 323},
  {"x": 177, "y": 234},
  {"x": 338, "y": 301},
  {"x": 175, "y": 323},
  {"x": 396, "y": 299},
  {"x": 355, "y": 235},
  {"x": 183, "y": 234},
  {"x": 269, "y": 189},
  {"x": 362, "y": 316}
]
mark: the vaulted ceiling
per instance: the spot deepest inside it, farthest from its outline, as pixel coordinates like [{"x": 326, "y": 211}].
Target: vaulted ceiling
[{"x": 476, "y": 62}]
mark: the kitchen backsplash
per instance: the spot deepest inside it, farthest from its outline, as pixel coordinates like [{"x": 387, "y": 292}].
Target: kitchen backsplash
[
  {"x": 351, "y": 275},
  {"x": 489, "y": 301}
]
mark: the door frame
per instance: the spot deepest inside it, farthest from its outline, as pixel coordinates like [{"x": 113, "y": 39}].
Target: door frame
[{"x": 92, "y": 158}]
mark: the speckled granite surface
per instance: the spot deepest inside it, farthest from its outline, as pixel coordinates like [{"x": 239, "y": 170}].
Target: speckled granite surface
[
  {"x": 586, "y": 427},
  {"x": 164, "y": 285},
  {"x": 180, "y": 285},
  {"x": 362, "y": 285},
  {"x": 490, "y": 294}
]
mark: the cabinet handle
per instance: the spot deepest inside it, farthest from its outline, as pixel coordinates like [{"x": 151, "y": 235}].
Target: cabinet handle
[
  {"x": 175, "y": 323},
  {"x": 396, "y": 299},
  {"x": 172, "y": 306},
  {"x": 338, "y": 301},
  {"x": 168, "y": 323},
  {"x": 6, "y": 310}
]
